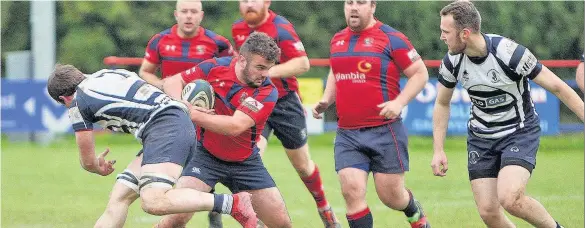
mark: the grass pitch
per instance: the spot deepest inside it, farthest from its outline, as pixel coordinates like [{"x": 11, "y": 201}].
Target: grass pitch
[{"x": 44, "y": 186}]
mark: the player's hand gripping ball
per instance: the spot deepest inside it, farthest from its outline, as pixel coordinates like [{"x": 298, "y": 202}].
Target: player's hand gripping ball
[{"x": 199, "y": 93}]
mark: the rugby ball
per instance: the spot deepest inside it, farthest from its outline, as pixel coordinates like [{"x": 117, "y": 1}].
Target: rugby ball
[{"x": 199, "y": 93}]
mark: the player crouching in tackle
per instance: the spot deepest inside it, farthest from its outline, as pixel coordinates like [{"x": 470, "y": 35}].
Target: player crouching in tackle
[
  {"x": 121, "y": 101},
  {"x": 227, "y": 149}
]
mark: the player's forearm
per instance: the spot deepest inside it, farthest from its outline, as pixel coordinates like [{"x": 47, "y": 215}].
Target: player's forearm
[
  {"x": 330, "y": 89},
  {"x": 571, "y": 99},
  {"x": 441, "y": 114},
  {"x": 221, "y": 124},
  {"x": 293, "y": 67},
  {"x": 86, "y": 148},
  {"x": 579, "y": 77},
  {"x": 151, "y": 79},
  {"x": 413, "y": 87},
  {"x": 173, "y": 86}
]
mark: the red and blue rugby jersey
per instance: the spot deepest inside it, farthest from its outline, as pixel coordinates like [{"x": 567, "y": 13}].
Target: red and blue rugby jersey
[
  {"x": 232, "y": 95},
  {"x": 367, "y": 67},
  {"x": 283, "y": 32},
  {"x": 176, "y": 54}
]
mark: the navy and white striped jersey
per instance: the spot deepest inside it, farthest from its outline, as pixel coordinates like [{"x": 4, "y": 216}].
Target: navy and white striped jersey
[
  {"x": 118, "y": 100},
  {"x": 497, "y": 86}
]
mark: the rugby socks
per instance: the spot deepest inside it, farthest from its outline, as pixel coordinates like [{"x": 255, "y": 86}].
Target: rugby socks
[
  {"x": 362, "y": 219},
  {"x": 222, "y": 203},
  {"x": 315, "y": 186},
  {"x": 411, "y": 209}
]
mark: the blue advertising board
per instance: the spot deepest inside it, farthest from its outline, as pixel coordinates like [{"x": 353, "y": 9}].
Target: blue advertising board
[{"x": 27, "y": 107}]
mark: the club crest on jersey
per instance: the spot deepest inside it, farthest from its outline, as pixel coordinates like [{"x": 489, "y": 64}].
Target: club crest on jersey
[
  {"x": 493, "y": 75},
  {"x": 253, "y": 104},
  {"x": 340, "y": 43},
  {"x": 465, "y": 76},
  {"x": 364, "y": 66},
  {"x": 200, "y": 49},
  {"x": 368, "y": 42}
]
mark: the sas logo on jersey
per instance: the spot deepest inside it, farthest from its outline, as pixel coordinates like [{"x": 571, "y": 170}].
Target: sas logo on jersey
[
  {"x": 355, "y": 77},
  {"x": 146, "y": 55},
  {"x": 340, "y": 43},
  {"x": 200, "y": 49},
  {"x": 253, "y": 104},
  {"x": 364, "y": 66},
  {"x": 299, "y": 46}
]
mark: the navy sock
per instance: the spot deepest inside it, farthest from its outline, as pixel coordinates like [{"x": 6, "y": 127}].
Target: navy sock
[
  {"x": 222, "y": 203},
  {"x": 411, "y": 208},
  {"x": 362, "y": 219}
]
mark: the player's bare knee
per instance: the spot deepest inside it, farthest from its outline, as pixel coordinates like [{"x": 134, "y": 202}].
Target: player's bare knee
[
  {"x": 352, "y": 192},
  {"x": 154, "y": 207},
  {"x": 153, "y": 187},
  {"x": 489, "y": 213},
  {"x": 512, "y": 200}
]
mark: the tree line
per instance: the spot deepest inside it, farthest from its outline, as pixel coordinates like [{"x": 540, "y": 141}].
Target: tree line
[{"x": 88, "y": 31}]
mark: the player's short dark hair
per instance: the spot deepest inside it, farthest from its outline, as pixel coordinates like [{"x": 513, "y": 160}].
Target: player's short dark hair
[
  {"x": 63, "y": 81},
  {"x": 261, "y": 44},
  {"x": 464, "y": 14}
]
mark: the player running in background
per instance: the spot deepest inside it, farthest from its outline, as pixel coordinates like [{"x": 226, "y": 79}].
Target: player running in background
[
  {"x": 227, "y": 146},
  {"x": 174, "y": 50},
  {"x": 121, "y": 101},
  {"x": 579, "y": 75},
  {"x": 504, "y": 129},
  {"x": 182, "y": 46},
  {"x": 366, "y": 60},
  {"x": 288, "y": 119}
]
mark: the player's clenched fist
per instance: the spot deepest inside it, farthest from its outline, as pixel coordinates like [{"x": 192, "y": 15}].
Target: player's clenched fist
[
  {"x": 439, "y": 164},
  {"x": 320, "y": 108}
]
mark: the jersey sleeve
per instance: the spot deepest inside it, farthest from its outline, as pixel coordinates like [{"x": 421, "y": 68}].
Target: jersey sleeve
[
  {"x": 260, "y": 105},
  {"x": 151, "y": 53},
  {"x": 519, "y": 59},
  {"x": 402, "y": 51},
  {"x": 201, "y": 71},
  {"x": 79, "y": 121},
  {"x": 224, "y": 47},
  {"x": 289, "y": 42},
  {"x": 447, "y": 71}
]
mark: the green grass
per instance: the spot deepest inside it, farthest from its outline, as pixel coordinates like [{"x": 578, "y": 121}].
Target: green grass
[{"x": 44, "y": 186}]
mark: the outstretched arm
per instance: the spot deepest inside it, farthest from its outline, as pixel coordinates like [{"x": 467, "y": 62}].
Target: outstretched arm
[{"x": 548, "y": 80}]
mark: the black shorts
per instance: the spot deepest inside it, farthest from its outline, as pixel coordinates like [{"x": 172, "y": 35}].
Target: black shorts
[
  {"x": 249, "y": 174},
  {"x": 381, "y": 149},
  {"x": 169, "y": 137},
  {"x": 487, "y": 156},
  {"x": 288, "y": 121}
]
